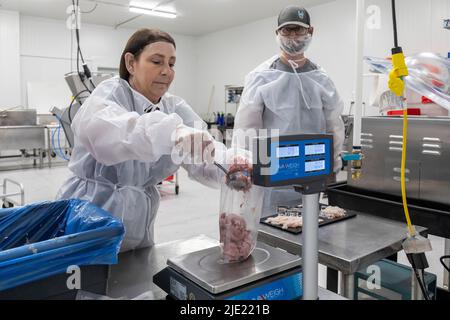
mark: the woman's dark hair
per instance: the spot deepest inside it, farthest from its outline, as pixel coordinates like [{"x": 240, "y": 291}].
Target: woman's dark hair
[{"x": 137, "y": 43}]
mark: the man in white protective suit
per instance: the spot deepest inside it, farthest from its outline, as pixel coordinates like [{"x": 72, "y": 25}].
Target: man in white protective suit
[{"x": 291, "y": 94}]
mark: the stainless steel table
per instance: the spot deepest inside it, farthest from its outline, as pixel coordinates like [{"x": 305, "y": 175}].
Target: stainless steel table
[
  {"x": 348, "y": 245},
  {"x": 133, "y": 275},
  {"x": 23, "y": 137}
]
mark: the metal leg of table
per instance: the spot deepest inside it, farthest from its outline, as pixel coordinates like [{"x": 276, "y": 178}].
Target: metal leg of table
[
  {"x": 416, "y": 293},
  {"x": 332, "y": 280},
  {"x": 348, "y": 286},
  {"x": 447, "y": 261},
  {"x": 49, "y": 150},
  {"x": 41, "y": 158}
]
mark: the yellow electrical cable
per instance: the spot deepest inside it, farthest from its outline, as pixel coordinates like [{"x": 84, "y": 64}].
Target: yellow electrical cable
[
  {"x": 405, "y": 204},
  {"x": 397, "y": 86}
]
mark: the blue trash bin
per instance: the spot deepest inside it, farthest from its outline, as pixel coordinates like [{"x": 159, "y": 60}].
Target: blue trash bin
[{"x": 40, "y": 241}]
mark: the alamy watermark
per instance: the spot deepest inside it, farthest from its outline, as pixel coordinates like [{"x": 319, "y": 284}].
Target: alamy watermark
[
  {"x": 197, "y": 146},
  {"x": 374, "y": 17},
  {"x": 374, "y": 280},
  {"x": 74, "y": 279},
  {"x": 73, "y": 20}
]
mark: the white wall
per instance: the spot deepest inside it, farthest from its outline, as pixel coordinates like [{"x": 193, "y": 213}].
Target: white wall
[
  {"x": 213, "y": 60},
  {"x": 9, "y": 59},
  {"x": 225, "y": 57},
  {"x": 333, "y": 43},
  {"x": 46, "y": 56},
  {"x": 419, "y": 27}
]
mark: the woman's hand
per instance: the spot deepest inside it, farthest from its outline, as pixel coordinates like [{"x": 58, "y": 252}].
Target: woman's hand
[{"x": 197, "y": 146}]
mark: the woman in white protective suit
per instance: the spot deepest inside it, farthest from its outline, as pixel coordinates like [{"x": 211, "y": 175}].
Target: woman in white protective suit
[
  {"x": 125, "y": 134},
  {"x": 290, "y": 93}
]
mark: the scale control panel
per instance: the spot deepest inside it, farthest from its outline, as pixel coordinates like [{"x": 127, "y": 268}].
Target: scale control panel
[{"x": 292, "y": 159}]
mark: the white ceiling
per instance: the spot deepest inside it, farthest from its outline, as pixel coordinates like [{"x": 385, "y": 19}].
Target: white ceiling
[{"x": 195, "y": 17}]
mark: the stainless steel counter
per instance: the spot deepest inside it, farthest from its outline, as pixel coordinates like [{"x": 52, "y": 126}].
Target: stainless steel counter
[
  {"x": 26, "y": 137},
  {"x": 133, "y": 275},
  {"x": 348, "y": 245},
  {"x": 16, "y": 117},
  {"x": 22, "y": 137}
]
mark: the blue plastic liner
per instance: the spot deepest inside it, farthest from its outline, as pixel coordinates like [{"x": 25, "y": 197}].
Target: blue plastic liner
[{"x": 43, "y": 239}]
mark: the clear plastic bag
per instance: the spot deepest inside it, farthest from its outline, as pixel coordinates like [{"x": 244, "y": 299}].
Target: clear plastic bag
[
  {"x": 240, "y": 212},
  {"x": 429, "y": 75}
]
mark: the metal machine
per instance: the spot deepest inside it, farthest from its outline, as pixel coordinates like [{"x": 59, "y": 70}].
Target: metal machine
[
  {"x": 19, "y": 132},
  {"x": 427, "y": 172},
  {"x": 81, "y": 89},
  {"x": 18, "y": 117},
  {"x": 302, "y": 161}
]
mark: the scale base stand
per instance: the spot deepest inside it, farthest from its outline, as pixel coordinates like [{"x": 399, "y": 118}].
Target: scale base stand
[
  {"x": 269, "y": 273},
  {"x": 179, "y": 287}
]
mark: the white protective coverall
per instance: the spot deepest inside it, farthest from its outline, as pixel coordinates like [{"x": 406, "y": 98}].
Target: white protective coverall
[
  {"x": 293, "y": 103},
  {"x": 122, "y": 151}
]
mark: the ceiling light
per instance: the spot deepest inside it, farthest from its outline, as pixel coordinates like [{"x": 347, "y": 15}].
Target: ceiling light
[{"x": 140, "y": 7}]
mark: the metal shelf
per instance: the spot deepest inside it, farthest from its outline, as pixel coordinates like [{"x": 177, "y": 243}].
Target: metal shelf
[{"x": 236, "y": 93}]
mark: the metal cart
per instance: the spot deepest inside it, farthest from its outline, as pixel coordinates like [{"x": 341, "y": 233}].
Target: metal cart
[
  {"x": 171, "y": 180},
  {"x": 6, "y": 197}
]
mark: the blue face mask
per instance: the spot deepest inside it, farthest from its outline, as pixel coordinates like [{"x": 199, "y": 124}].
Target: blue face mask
[{"x": 294, "y": 46}]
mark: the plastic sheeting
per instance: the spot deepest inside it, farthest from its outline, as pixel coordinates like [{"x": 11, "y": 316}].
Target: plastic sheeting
[
  {"x": 429, "y": 75},
  {"x": 43, "y": 239},
  {"x": 240, "y": 209}
]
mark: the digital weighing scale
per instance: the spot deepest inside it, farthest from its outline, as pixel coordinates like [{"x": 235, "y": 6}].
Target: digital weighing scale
[
  {"x": 302, "y": 161},
  {"x": 268, "y": 274}
]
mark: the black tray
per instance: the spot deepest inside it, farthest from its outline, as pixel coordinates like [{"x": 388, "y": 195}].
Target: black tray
[{"x": 298, "y": 230}]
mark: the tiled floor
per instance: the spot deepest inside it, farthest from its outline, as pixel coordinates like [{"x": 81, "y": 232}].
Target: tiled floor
[{"x": 194, "y": 211}]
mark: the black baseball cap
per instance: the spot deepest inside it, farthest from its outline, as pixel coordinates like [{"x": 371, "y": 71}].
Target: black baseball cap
[{"x": 294, "y": 15}]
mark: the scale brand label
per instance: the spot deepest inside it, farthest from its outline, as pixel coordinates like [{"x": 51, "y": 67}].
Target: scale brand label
[
  {"x": 288, "y": 288},
  {"x": 273, "y": 294}
]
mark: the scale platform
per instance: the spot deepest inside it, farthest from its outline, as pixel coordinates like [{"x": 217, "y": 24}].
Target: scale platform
[{"x": 269, "y": 273}]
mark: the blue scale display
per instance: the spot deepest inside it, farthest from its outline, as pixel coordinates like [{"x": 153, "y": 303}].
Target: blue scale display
[{"x": 293, "y": 159}]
